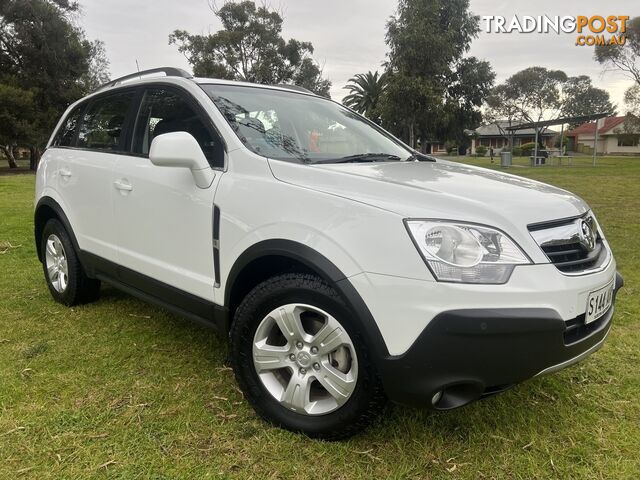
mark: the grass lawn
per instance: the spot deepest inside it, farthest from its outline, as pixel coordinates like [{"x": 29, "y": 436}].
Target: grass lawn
[{"x": 121, "y": 389}]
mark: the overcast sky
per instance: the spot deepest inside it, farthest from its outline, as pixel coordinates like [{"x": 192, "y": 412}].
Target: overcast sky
[{"x": 348, "y": 35}]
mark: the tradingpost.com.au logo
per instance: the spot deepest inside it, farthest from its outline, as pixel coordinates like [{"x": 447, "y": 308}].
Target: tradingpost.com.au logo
[{"x": 593, "y": 30}]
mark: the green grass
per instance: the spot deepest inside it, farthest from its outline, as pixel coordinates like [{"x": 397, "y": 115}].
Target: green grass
[{"x": 121, "y": 389}]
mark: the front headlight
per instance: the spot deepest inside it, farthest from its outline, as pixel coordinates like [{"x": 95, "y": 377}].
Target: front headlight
[{"x": 466, "y": 253}]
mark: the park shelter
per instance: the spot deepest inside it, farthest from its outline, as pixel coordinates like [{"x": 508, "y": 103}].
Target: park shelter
[{"x": 496, "y": 135}]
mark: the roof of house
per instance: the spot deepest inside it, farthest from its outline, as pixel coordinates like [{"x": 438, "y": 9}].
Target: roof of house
[
  {"x": 590, "y": 128},
  {"x": 497, "y": 129}
]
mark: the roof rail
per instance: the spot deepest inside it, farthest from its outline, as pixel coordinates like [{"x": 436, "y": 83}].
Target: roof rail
[
  {"x": 168, "y": 71},
  {"x": 295, "y": 88}
]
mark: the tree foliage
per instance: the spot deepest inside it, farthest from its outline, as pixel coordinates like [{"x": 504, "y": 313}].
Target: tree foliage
[
  {"x": 632, "y": 100},
  {"x": 47, "y": 61},
  {"x": 582, "y": 98},
  {"x": 625, "y": 58},
  {"x": 530, "y": 95},
  {"x": 97, "y": 73},
  {"x": 502, "y": 105},
  {"x": 536, "y": 93},
  {"x": 433, "y": 91},
  {"x": 17, "y": 111},
  {"x": 365, "y": 92},
  {"x": 250, "y": 47},
  {"x": 468, "y": 85}
]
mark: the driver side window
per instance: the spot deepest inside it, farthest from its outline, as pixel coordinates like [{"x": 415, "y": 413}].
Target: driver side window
[{"x": 164, "y": 111}]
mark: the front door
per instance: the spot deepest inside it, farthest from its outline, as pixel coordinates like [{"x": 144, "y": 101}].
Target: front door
[{"x": 164, "y": 221}]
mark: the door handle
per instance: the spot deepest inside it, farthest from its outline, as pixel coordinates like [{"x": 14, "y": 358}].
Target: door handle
[
  {"x": 123, "y": 186},
  {"x": 64, "y": 172}
]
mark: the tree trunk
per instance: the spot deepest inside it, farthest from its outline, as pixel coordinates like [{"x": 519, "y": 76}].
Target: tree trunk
[
  {"x": 34, "y": 157},
  {"x": 412, "y": 135},
  {"x": 425, "y": 146},
  {"x": 8, "y": 152}
]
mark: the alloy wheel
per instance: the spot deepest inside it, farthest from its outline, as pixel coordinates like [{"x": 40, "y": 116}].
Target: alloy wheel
[
  {"x": 305, "y": 359},
  {"x": 56, "y": 263}
]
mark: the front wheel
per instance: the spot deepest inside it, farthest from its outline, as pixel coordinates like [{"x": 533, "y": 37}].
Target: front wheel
[{"x": 300, "y": 361}]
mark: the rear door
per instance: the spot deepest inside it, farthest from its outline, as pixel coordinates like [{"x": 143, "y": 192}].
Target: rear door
[
  {"x": 84, "y": 171},
  {"x": 164, "y": 221}
]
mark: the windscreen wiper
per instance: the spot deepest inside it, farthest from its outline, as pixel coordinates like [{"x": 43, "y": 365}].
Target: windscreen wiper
[
  {"x": 420, "y": 157},
  {"x": 362, "y": 157}
]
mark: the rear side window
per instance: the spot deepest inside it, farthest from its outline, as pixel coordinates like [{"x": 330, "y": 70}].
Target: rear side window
[
  {"x": 67, "y": 132},
  {"x": 165, "y": 111},
  {"x": 103, "y": 123}
]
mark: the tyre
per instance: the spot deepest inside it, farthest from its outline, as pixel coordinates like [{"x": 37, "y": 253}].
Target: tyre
[
  {"x": 66, "y": 279},
  {"x": 300, "y": 361}
]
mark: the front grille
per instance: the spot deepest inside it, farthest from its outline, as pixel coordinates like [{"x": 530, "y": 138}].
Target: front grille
[
  {"x": 571, "y": 257},
  {"x": 573, "y": 245}
]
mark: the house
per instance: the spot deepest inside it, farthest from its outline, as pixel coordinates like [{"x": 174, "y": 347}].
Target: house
[
  {"x": 613, "y": 137},
  {"x": 438, "y": 148},
  {"x": 495, "y": 135},
  {"x": 434, "y": 147}
]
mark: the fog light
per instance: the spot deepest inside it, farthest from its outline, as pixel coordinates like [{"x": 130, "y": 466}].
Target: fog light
[{"x": 436, "y": 398}]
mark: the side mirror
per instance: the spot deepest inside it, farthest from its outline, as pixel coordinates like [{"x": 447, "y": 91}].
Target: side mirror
[{"x": 180, "y": 149}]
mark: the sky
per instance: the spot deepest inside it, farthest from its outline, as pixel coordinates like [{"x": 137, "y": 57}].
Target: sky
[{"x": 348, "y": 35}]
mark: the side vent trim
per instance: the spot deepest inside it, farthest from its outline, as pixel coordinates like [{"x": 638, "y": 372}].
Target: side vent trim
[{"x": 216, "y": 245}]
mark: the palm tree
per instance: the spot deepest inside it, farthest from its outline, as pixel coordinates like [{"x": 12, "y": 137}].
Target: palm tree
[{"x": 365, "y": 92}]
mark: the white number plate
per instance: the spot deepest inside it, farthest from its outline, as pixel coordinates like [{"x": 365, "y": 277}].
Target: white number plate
[{"x": 599, "y": 302}]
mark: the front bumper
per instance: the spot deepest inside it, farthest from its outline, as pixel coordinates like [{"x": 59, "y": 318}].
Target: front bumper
[{"x": 465, "y": 354}]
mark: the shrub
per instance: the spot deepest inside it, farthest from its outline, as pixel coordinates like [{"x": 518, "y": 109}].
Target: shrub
[
  {"x": 517, "y": 151},
  {"x": 527, "y": 148},
  {"x": 481, "y": 151},
  {"x": 451, "y": 147},
  {"x": 565, "y": 142}
]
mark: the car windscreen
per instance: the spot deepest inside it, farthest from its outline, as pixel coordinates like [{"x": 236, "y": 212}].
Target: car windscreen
[{"x": 301, "y": 128}]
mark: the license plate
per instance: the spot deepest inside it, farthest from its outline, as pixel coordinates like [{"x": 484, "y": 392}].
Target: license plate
[{"x": 599, "y": 302}]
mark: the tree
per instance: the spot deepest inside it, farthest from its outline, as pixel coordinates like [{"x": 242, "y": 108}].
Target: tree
[
  {"x": 309, "y": 76},
  {"x": 625, "y": 58},
  {"x": 42, "y": 51},
  {"x": 98, "y": 72},
  {"x": 250, "y": 47},
  {"x": 632, "y": 119},
  {"x": 365, "y": 89},
  {"x": 537, "y": 93},
  {"x": 17, "y": 110},
  {"x": 582, "y": 98},
  {"x": 531, "y": 95},
  {"x": 469, "y": 83},
  {"x": 432, "y": 89},
  {"x": 502, "y": 108}
]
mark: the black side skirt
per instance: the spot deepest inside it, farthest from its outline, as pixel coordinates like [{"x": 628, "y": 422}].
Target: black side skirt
[{"x": 153, "y": 291}]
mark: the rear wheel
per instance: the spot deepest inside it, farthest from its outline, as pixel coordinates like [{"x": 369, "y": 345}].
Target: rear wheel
[
  {"x": 300, "y": 360},
  {"x": 66, "y": 279}
]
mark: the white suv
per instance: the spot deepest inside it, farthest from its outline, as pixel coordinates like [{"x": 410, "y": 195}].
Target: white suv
[{"x": 344, "y": 267}]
